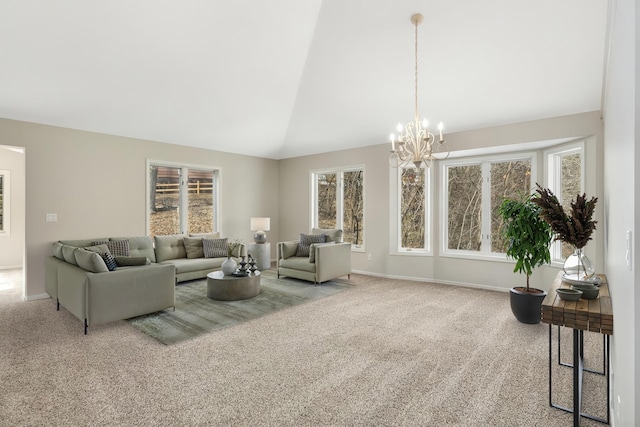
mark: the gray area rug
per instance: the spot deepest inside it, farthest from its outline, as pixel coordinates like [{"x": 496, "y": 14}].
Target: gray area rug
[{"x": 196, "y": 314}]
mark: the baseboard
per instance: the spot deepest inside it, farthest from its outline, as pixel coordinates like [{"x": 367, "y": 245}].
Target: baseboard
[
  {"x": 429, "y": 280},
  {"x": 11, "y": 267},
  {"x": 36, "y": 297}
]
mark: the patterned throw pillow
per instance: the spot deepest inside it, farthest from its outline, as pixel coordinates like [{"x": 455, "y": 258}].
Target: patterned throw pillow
[
  {"x": 118, "y": 247},
  {"x": 109, "y": 260},
  {"x": 306, "y": 240},
  {"x": 215, "y": 248}
]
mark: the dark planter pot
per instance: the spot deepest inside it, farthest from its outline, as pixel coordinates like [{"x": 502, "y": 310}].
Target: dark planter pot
[{"x": 527, "y": 306}]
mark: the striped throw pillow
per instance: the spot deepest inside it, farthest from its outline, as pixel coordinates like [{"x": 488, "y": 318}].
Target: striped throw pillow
[
  {"x": 306, "y": 240},
  {"x": 215, "y": 248}
]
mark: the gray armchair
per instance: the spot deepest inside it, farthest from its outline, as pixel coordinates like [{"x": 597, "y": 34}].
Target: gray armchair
[{"x": 313, "y": 260}]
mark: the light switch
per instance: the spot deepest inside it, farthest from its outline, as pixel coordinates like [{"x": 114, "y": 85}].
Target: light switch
[{"x": 51, "y": 217}]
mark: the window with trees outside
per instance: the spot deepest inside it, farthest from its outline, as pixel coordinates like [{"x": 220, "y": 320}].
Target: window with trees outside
[
  {"x": 182, "y": 200},
  {"x": 4, "y": 202},
  {"x": 338, "y": 202},
  {"x": 565, "y": 176},
  {"x": 473, "y": 192}
]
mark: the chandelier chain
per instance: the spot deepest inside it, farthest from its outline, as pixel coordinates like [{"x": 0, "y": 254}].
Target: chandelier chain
[{"x": 416, "y": 71}]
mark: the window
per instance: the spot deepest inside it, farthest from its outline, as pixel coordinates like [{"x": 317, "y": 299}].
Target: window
[
  {"x": 182, "y": 199},
  {"x": 410, "y": 209},
  {"x": 474, "y": 191},
  {"x": 5, "y": 200},
  {"x": 338, "y": 202},
  {"x": 565, "y": 175}
]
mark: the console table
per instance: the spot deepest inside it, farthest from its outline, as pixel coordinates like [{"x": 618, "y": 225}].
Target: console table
[{"x": 582, "y": 315}]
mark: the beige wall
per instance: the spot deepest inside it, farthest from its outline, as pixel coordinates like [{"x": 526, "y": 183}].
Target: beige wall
[
  {"x": 295, "y": 207},
  {"x": 12, "y": 245},
  {"x": 96, "y": 185}
]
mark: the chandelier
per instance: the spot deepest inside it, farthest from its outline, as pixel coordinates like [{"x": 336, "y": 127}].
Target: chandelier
[{"x": 415, "y": 144}]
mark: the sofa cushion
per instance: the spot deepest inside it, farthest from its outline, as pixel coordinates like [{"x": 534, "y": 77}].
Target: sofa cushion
[
  {"x": 215, "y": 248},
  {"x": 118, "y": 247},
  {"x": 129, "y": 261},
  {"x": 289, "y": 249},
  {"x": 193, "y": 247},
  {"x": 109, "y": 260},
  {"x": 298, "y": 263},
  {"x": 312, "y": 252},
  {"x": 333, "y": 234},
  {"x": 215, "y": 235},
  {"x": 305, "y": 242},
  {"x": 68, "y": 254},
  {"x": 83, "y": 242},
  {"x": 90, "y": 261},
  {"x": 169, "y": 247},
  {"x": 141, "y": 246},
  {"x": 186, "y": 265},
  {"x": 57, "y": 250}
]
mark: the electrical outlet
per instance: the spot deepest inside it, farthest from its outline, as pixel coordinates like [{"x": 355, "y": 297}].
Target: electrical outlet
[{"x": 369, "y": 257}]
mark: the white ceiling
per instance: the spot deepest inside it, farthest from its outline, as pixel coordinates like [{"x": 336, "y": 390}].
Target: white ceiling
[{"x": 284, "y": 78}]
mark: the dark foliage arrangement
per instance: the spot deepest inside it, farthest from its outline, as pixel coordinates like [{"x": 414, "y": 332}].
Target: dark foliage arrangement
[{"x": 575, "y": 229}]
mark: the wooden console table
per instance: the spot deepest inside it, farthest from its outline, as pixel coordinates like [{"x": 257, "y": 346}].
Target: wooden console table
[{"x": 582, "y": 315}]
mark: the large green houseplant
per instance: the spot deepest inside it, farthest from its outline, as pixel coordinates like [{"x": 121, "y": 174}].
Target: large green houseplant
[{"x": 528, "y": 239}]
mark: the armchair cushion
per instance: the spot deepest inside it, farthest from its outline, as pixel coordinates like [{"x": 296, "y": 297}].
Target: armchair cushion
[
  {"x": 333, "y": 234},
  {"x": 289, "y": 249},
  {"x": 312, "y": 250},
  {"x": 305, "y": 243}
]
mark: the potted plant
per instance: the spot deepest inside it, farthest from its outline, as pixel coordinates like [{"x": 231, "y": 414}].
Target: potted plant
[
  {"x": 574, "y": 229},
  {"x": 528, "y": 238}
]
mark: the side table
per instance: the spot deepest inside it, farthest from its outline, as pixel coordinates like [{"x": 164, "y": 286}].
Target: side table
[
  {"x": 582, "y": 315},
  {"x": 261, "y": 252}
]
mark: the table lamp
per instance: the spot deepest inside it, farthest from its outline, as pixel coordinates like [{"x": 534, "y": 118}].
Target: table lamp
[{"x": 259, "y": 225}]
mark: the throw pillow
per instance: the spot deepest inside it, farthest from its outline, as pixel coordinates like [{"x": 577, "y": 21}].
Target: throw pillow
[
  {"x": 128, "y": 261},
  {"x": 312, "y": 252},
  {"x": 215, "y": 248},
  {"x": 100, "y": 249},
  {"x": 306, "y": 240},
  {"x": 90, "y": 261},
  {"x": 109, "y": 260},
  {"x": 68, "y": 254},
  {"x": 333, "y": 234},
  {"x": 118, "y": 247},
  {"x": 289, "y": 249},
  {"x": 193, "y": 246}
]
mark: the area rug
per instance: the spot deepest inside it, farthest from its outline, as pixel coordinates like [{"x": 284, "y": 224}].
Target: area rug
[{"x": 196, "y": 314}]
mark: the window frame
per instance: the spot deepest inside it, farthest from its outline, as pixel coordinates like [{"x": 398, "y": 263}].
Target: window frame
[
  {"x": 553, "y": 174},
  {"x": 395, "y": 204},
  {"x": 313, "y": 208},
  {"x": 484, "y": 162},
  {"x": 183, "y": 195},
  {"x": 6, "y": 202}
]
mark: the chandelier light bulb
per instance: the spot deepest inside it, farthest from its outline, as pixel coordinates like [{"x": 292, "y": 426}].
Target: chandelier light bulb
[
  {"x": 399, "y": 127},
  {"x": 425, "y": 124}
]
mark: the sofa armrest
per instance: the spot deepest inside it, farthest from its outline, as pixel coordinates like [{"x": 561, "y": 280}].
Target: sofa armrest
[{"x": 332, "y": 261}]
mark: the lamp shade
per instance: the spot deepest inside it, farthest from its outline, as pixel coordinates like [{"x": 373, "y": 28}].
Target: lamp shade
[{"x": 260, "y": 224}]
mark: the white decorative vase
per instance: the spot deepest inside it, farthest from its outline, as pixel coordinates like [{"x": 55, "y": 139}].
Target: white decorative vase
[{"x": 229, "y": 266}]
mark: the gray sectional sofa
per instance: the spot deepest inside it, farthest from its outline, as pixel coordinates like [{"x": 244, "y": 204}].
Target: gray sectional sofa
[{"x": 78, "y": 278}]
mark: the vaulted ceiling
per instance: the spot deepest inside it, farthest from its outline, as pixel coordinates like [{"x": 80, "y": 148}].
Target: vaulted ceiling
[{"x": 284, "y": 78}]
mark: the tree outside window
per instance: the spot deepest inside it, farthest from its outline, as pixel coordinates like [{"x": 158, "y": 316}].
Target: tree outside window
[{"x": 339, "y": 202}]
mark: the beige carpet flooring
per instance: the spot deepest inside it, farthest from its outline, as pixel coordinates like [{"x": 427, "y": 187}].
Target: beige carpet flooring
[{"x": 387, "y": 353}]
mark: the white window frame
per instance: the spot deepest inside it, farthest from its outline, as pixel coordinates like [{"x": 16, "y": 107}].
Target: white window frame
[
  {"x": 313, "y": 182},
  {"x": 553, "y": 173},
  {"x": 184, "y": 171},
  {"x": 485, "y": 161},
  {"x": 395, "y": 205},
  {"x": 6, "y": 203}
]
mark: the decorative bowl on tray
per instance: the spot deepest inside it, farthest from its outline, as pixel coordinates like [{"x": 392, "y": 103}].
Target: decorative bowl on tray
[
  {"x": 589, "y": 291},
  {"x": 569, "y": 294}
]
